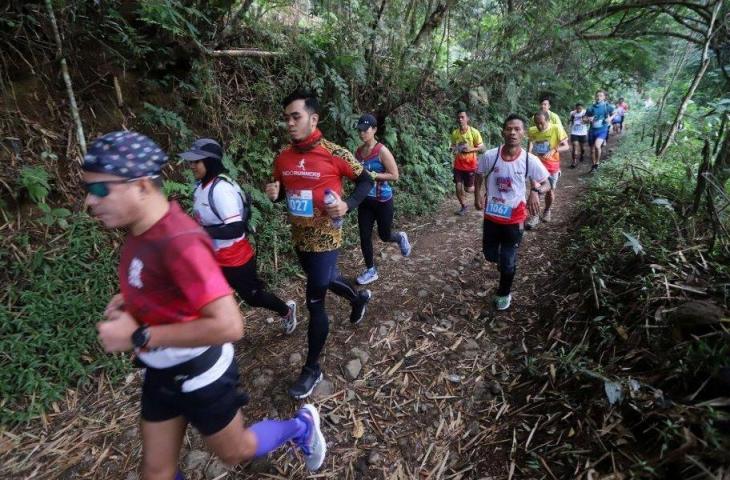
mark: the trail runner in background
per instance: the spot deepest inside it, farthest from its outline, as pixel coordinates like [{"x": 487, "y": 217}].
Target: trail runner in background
[
  {"x": 578, "y": 134},
  {"x": 466, "y": 141},
  {"x": 378, "y": 206},
  {"x": 599, "y": 115},
  {"x": 545, "y": 107},
  {"x": 546, "y": 141}
]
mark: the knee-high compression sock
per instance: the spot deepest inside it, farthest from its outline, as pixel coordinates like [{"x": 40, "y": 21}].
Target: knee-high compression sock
[
  {"x": 271, "y": 434},
  {"x": 505, "y": 283},
  {"x": 317, "y": 331}
]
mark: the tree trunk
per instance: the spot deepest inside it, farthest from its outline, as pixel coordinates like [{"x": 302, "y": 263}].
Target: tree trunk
[
  {"x": 657, "y": 133},
  {"x": 67, "y": 80},
  {"x": 695, "y": 82},
  {"x": 701, "y": 180},
  {"x": 433, "y": 21}
]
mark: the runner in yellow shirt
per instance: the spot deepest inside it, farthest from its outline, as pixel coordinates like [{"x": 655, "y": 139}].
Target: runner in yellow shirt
[
  {"x": 545, "y": 107},
  {"x": 546, "y": 141},
  {"x": 466, "y": 141}
]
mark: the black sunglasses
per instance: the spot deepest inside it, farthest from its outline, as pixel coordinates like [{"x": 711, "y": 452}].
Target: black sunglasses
[{"x": 101, "y": 189}]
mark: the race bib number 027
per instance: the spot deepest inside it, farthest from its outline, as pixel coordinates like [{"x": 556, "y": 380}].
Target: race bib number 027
[
  {"x": 499, "y": 210},
  {"x": 300, "y": 203}
]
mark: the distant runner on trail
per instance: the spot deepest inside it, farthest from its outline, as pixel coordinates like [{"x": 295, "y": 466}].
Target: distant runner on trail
[
  {"x": 622, "y": 108},
  {"x": 308, "y": 174},
  {"x": 466, "y": 141},
  {"x": 378, "y": 206},
  {"x": 546, "y": 141},
  {"x": 599, "y": 115},
  {"x": 178, "y": 313},
  {"x": 505, "y": 170},
  {"x": 222, "y": 209},
  {"x": 578, "y": 133},
  {"x": 545, "y": 107}
]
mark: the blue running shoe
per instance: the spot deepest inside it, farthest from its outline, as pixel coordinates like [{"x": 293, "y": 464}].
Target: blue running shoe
[{"x": 368, "y": 276}]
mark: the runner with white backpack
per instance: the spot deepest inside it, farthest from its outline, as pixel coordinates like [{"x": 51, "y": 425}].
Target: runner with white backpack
[{"x": 224, "y": 211}]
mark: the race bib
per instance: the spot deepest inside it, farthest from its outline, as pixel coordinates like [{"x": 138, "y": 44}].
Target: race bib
[
  {"x": 541, "y": 148},
  {"x": 300, "y": 203},
  {"x": 499, "y": 210},
  {"x": 597, "y": 123}
]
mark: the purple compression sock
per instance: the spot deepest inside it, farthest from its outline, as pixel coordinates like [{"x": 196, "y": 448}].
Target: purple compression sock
[
  {"x": 179, "y": 476},
  {"x": 271, "y": 434}
]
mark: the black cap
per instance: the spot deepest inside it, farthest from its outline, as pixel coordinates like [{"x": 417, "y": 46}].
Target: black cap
[
  {"x": 366, "y": 121},
  {"x": 203, "y": 148}
]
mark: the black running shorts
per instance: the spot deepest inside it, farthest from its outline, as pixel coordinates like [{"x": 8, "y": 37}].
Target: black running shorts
[{"x": 208, "y": 409}]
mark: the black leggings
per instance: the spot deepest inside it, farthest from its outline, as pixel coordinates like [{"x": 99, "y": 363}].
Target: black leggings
[
  {"x": 246, "y": 282},
  {"x": 322, "y": 274},
  {"x": 369, "y": 212}
]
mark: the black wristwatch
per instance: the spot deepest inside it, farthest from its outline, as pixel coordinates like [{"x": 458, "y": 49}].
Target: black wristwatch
[
  {"x": 141, "y": 337},
  {"x": 536, "y": 190}
]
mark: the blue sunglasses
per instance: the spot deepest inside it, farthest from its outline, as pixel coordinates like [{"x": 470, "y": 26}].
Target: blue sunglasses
[{"x": 101, "y": 189}]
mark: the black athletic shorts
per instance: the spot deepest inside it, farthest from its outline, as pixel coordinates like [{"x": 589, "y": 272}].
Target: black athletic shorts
[
  {"x": 579, "y": 138},
  {"x": 462, "y": 176},
  {"x": 208, "y": 409}
]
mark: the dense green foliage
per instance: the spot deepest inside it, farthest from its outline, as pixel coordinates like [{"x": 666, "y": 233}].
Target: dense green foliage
[
  {"x": 173, "y": 69},
  {"x": 640, "y": 247}
]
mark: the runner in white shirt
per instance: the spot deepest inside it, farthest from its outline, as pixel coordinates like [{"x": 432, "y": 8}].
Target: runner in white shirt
[
  {"x": 219, "y": 208},
  {"x": 506, "y": 169},
  {"x": 578, "y": 133}
]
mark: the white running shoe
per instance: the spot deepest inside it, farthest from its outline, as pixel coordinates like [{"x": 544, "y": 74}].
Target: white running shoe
[
  {"x": 289, "y": 322},
  {"x": 313, "y": 446}
]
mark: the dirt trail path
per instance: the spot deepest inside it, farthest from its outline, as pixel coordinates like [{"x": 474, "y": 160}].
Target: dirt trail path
[{"x": 432, "y": 399}]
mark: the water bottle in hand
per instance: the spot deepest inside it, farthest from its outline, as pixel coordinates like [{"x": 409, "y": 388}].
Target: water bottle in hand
[{"x": 330, "y": 199}]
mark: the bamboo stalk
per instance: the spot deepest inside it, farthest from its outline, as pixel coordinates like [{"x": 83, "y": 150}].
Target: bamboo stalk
[{"x": 67, "y": 80}]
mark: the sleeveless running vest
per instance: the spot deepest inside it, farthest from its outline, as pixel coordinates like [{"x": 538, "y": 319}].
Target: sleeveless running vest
[{"x": 381, "y": 191}]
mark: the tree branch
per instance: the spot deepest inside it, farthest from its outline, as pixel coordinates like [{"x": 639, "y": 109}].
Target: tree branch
[{"x": 67, "y": 80}]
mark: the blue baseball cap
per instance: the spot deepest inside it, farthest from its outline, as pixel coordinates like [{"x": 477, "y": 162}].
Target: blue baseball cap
[
  {"x": 366, "y": 121},
  {"x": 125, "y": 154}
]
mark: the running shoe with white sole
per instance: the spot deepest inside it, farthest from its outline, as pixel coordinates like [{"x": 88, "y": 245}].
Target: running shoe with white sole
[
  {"x": 532, "y": 222},
  {"x": 368, "y": 276},
  {"x": 313, "y": 445},
  {"x": 289, "y": 321},
  {"x": 502, "y": 302},
  {"x": 308, "y": 379},
  {"x": 404, "y": 244},
  {"x": 547, "y": 216},
  {"x": 462, "y": 211},
  {"x": 360, "y": 306}
]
